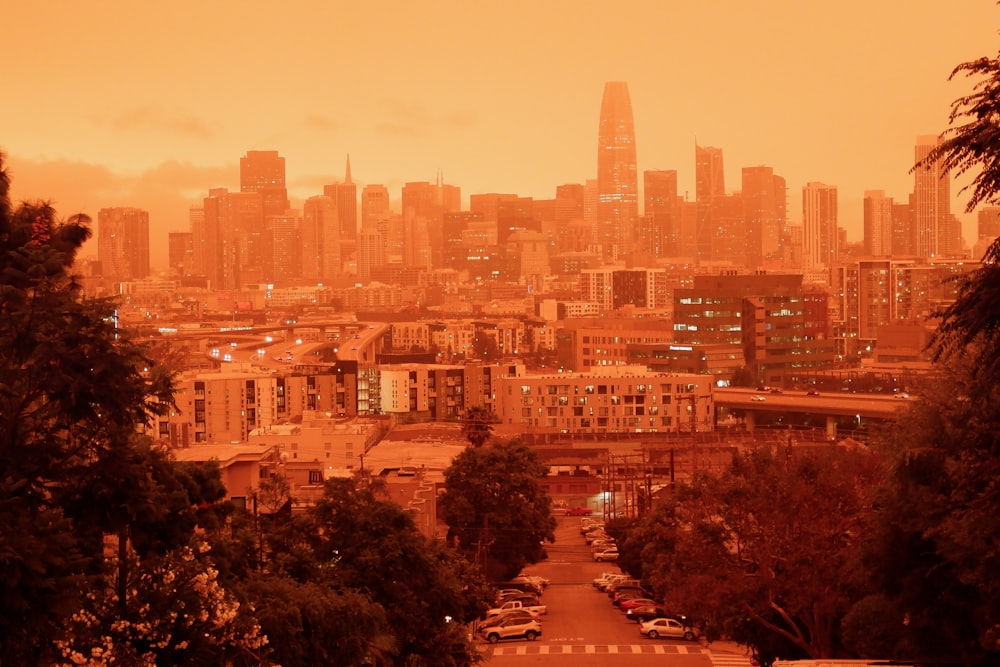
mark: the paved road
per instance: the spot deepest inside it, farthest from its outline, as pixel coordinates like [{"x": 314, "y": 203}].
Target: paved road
[{"x": 583, "y": 628}]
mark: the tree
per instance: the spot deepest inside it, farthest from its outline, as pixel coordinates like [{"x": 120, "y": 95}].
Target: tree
[
  {"x": 355, "y": 540},
  {"x": 497, "y": 511},
  {"x": 73, "y": 389},
  {"x": 972, "y": 143},
  {"x": 765, "y": 552},
  {"x": 176, "y": 612},
  {"x": 940, "y": 521},
  {"x": 477, "y": 425},
  {"x": 933, "y": 550}
]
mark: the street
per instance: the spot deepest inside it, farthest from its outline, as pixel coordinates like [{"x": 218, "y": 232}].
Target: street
[{"x": 582, "y": 627}]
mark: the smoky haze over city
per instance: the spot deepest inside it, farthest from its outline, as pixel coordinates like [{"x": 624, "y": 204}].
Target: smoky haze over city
[
  {"x": 387, "y": 334},
  {"x": 492, "y": 102}
]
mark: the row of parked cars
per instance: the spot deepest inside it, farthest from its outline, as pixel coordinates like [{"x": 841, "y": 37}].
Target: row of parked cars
[
  {"x": 639, "y": 605},
  {"x": 517, "y": 611},
  {"x": 602, "y": 546}
]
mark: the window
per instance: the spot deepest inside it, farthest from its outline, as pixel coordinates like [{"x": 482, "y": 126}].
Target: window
[{"x": 315, "y": 476}]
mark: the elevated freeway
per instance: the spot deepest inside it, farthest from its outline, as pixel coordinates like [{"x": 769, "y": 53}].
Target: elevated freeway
[{"x": 753, "y": 405}]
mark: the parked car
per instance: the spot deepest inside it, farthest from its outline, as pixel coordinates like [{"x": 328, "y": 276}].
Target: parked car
[
  {"x": 631, "y": 603},
  {"x": 518, "y": 614},
  {"x": 579, "y": 511},
  {"x": 630, "y": 594},
  {"x": 512, "y": 628},
  {"x": 609, "y": 578},
  {"x": 812, "y": 392},
  {"x": 667, "y": 627},
  {"x": 528, "y": 599},
  {"x": 537, "y": 609},
  {"x": 533, "y": 578},
  {"x": 758, "y": 397},
  {"x": 607, "y": 554},
  {"x": 618, "y": 586},
  {"x": 645, "y": 613}
]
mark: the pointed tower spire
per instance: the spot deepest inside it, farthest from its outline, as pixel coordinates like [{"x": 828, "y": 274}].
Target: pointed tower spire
[{"x": 347, "y": 177}]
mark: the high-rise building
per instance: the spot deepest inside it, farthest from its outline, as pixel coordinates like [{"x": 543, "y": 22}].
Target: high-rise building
[
  {"x": 429, "y": 202},
  {"x": 286, "y": 246},
  {"x": 264, "y": 172},
  {"x": 617, "y": 175},
  {"x": 375, "y": 206},
  {"x": 878, "y": 211},
  {"x": 660, "y": 209},
  {"x": 345, "y": 195},
  {"x": 937, "y": 233},
  {"x": 709, "y": 192},
  {"x": 763, "y": 214},
  {"x": 180, "y": 253},
  {"x": 819, "y": 221},
  {"x": 320, "y": 232},
  {"x": 123, "y": 242}
]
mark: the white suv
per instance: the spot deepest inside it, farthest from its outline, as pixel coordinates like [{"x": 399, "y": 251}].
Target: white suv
[{"x": 512, "y": 628}]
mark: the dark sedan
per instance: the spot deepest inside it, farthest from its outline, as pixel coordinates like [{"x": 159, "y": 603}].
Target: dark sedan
[{"x": 645, "y": 613}]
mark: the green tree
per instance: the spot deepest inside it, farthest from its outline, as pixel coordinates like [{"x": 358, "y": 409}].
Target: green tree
[
  {"x": 765, "y": 552},
  {"x": 73, "y": 388},
  {"x": 477, "y": 425},
  {"x": 497, "y": 511}
]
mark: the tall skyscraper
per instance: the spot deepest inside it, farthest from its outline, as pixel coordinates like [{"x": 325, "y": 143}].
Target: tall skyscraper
[
  {"x": 878, "y": 210},
  {"x": 763, "y": 214},
  {"x": 819, "y": 222},
  {"x": 264, "y": 172},
  {"x": 346, "y": 197},
  {"x": 660, "y": 209},
  {"x": 123, "y": 243},
  {"x": 320, "y": 236},
  {"x": 709, "y": 192},
  {"x": 937, "y": 233},
  {"x": 375, "y": 206},
  {"x": 617, "y": 175},
  {"x": 180, "y": 253}
]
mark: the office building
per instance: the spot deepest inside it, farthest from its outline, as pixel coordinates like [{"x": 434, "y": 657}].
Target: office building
[
  {"x": 710, "y": 190},
  {"x": 264, "y": 172},
  {"x": 320, "y": 232},
  {"x": 819, "y": 222},
  {"x": 764, "y": 216},
  {"x": 345, "y": 196},
  {"x": 878, "y": 219},
  {"x": 617, "y": 176},
  {"x": 936, "y": 232},
  {"x": 123, "y": 243}
]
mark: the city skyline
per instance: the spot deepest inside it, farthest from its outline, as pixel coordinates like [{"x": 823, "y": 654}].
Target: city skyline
[{"x": 509, "y": 102}]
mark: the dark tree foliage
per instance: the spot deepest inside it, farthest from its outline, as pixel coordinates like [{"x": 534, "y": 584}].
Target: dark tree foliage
[
  {"x": 497, "y": 511},
  {"x": 477, "y": 425},
  {"x": 972, "y": 144},
  {"x": 933, "y": 550},
  {"x": 765, "y": 552},
  {"x": 72, "y": 390},
  {"x": 353, "y": 540},
  {"x": 312, "y": 624}
]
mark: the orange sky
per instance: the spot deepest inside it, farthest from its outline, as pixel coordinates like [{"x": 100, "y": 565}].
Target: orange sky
[{"x": 151, "y": 104}]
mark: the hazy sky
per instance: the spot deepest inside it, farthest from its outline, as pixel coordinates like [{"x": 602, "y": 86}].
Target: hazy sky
[{"x": 151, "y": 104}]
